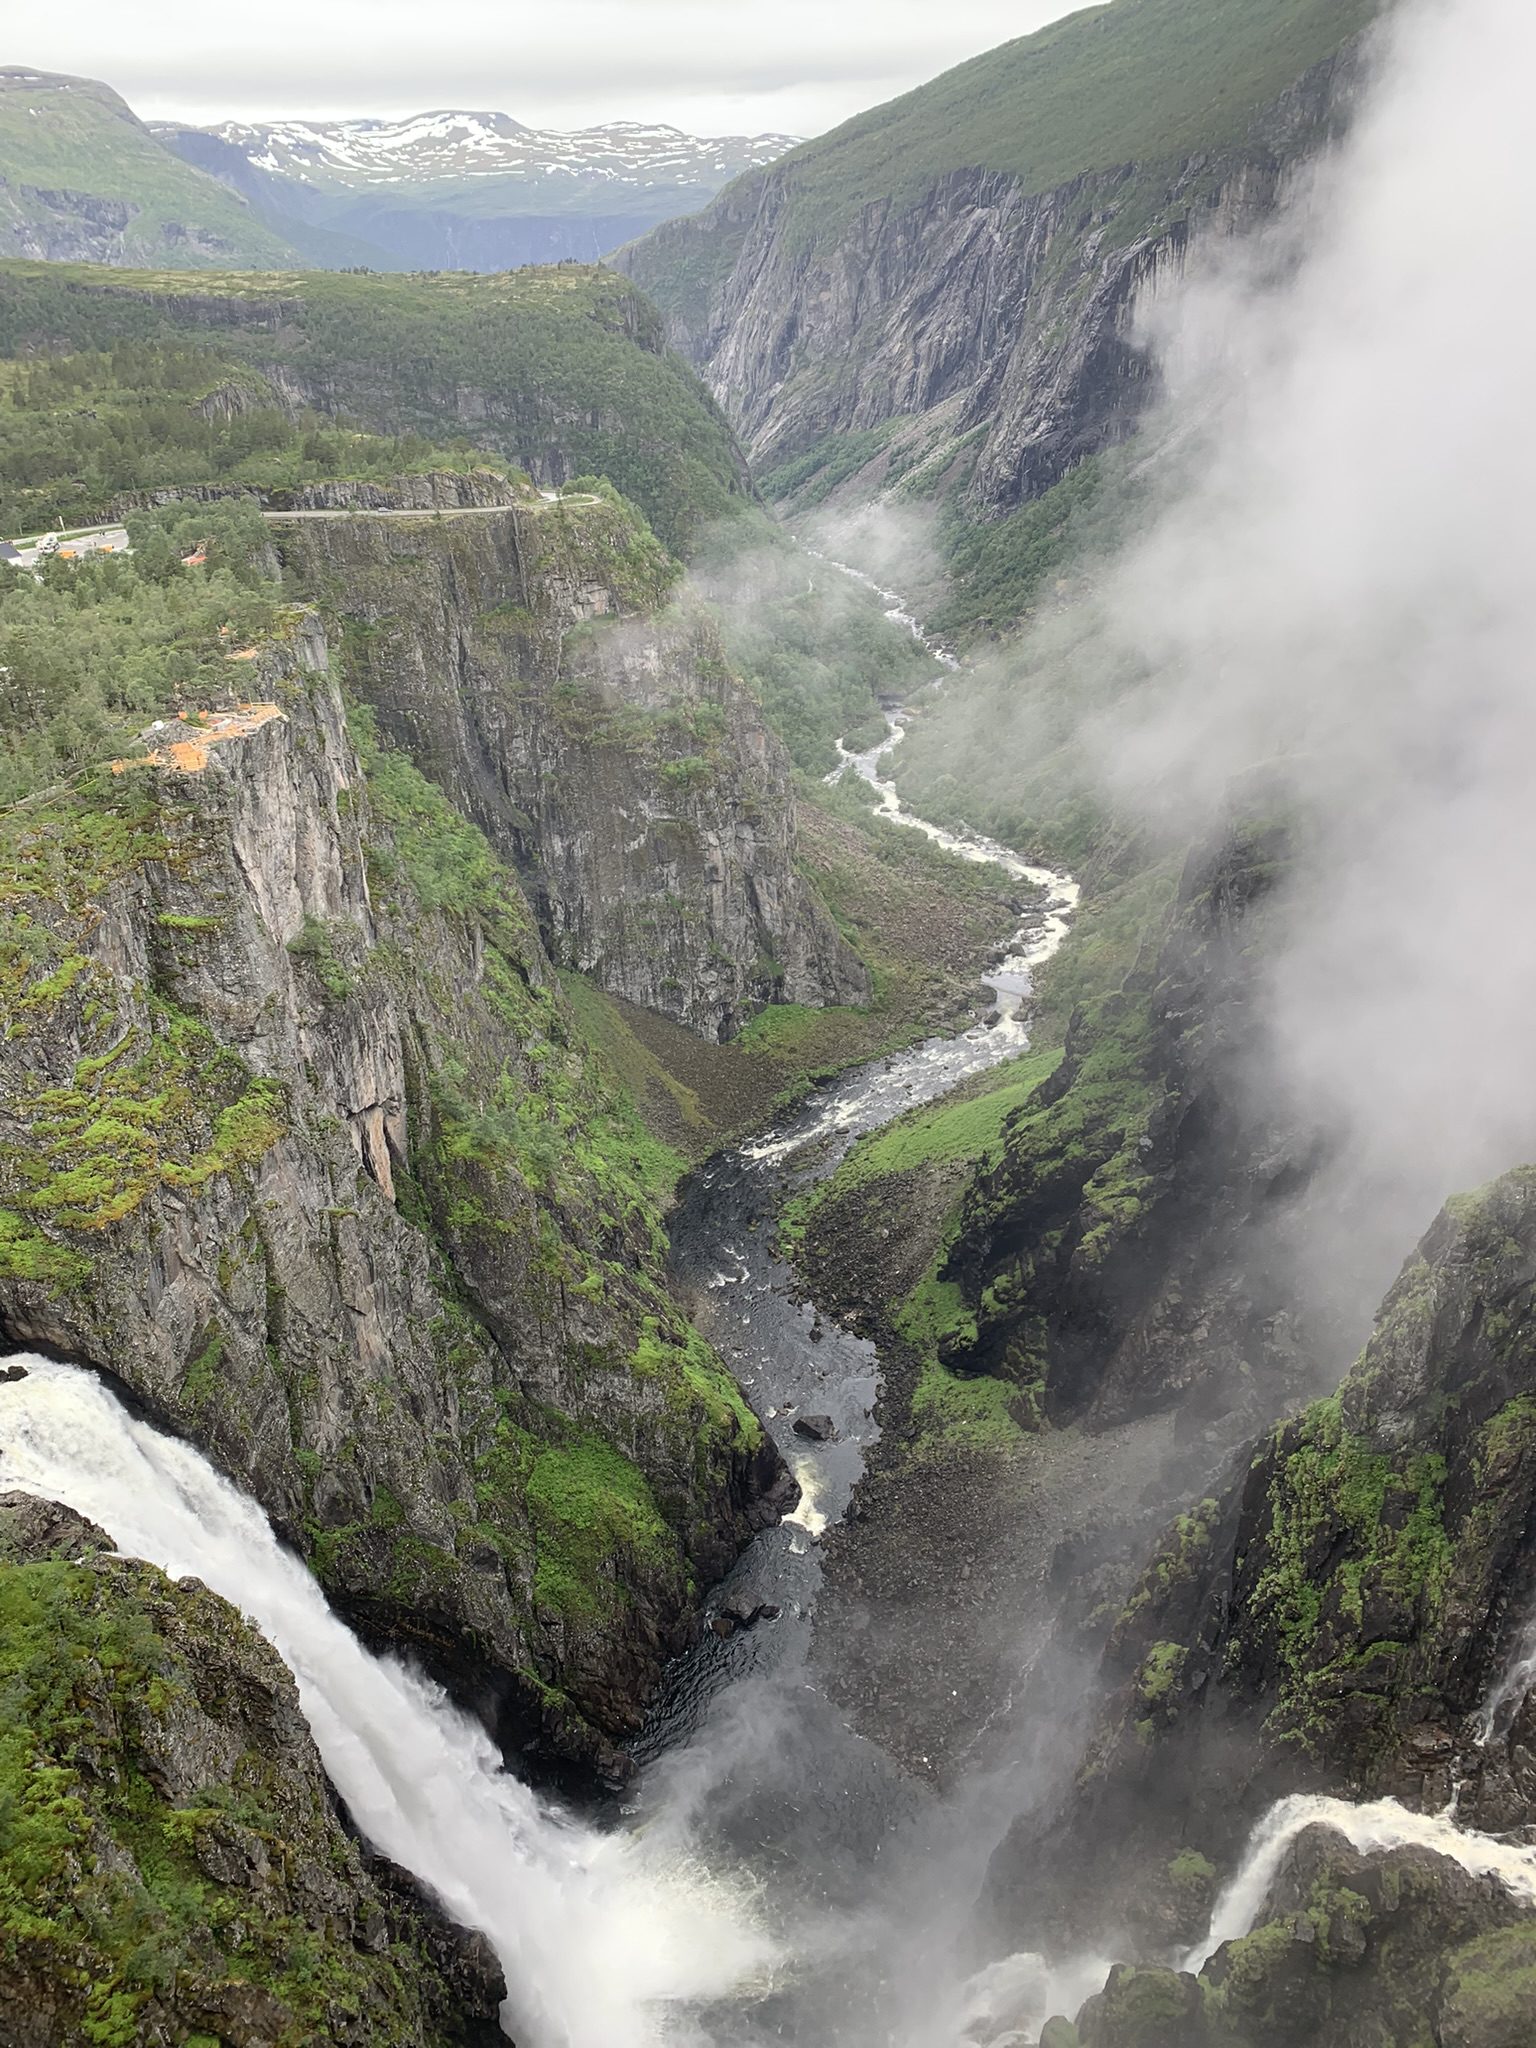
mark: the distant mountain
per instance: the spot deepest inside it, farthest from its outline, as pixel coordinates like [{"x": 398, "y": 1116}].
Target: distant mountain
[
  {"x": 471, "y": 191},
  {"x": 83, "y": 180},
  {"x": 938, "y": 297}
]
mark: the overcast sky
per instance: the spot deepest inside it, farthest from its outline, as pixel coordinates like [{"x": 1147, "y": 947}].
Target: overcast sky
[{"x": 711, "y": 66}]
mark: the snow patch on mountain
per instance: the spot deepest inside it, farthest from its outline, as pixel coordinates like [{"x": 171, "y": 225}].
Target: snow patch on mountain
[{"x": 445, "y": 145}]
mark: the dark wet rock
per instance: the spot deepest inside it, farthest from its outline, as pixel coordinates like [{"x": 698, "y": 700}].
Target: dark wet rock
[
  {"x": 1144, "y": 2008},
  {"x": 820, "y": 1429},
  {"x": 10, "y": 1373},
  {"x": 779, "y": 1493},
  {"x": 32, "y": 1529},
  {"x": 740, "y": 1613},
  {"x": 1404, "y": 1501},
  {"x": 1359, "y": 1950}
]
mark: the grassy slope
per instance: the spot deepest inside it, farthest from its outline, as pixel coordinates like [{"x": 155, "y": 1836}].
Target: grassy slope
[
  {"x": 569, "y": 359},
  {"x": 924, "y": 921},
  {"x": 918, "y": 1168},
  {"x": 1141, "y": 81},
  {"x": 75, "y": 136},
  {"x": 1148, "y": 82}
]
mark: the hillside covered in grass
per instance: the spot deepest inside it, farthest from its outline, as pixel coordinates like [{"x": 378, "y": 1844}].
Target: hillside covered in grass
[{"x": 563, "y": 371}]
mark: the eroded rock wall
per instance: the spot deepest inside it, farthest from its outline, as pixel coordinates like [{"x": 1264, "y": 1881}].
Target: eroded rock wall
[
  {"x": 297, "y": 1139},
  {"x": 531, "y": 660},
  {"x": 991, "y": 330}
]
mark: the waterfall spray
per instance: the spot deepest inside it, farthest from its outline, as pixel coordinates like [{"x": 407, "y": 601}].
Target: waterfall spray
[{"x": 607, "y": 1940}]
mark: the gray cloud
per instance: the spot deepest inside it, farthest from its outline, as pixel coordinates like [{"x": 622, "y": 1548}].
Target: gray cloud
[{"x": 713, "y": 68}]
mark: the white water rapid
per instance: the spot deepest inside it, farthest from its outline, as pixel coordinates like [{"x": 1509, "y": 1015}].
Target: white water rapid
[
  {"x": 1036, "y": 941},
  {"x": 1371, "y": 1828},
  {"x": 608, "y": 1940}
]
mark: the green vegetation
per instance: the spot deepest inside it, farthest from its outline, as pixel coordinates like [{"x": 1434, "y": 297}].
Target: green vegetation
[
  {"x": 1085, "y": 1143},
  {"x": 1379, "y": 1522},
  {"x": 953, "y": 1139},
  {"x": 77, "y": 431},
  {"x": 97, "y": 647},
  {"x": 62, "y": 140},
  {"x": 569, "y": 1124},
  {"x": 814, "y": 645},
  {"x": 1159, "y": 1675},
  {"x": 565, "y": 365},
  {"x": 965, "y": 1128},
  {"x": 1491, "y": 1987},
  {"x": 1143, "y": 82},
  {"x": 163, "y": 1106},
  {"x": 1002, "y": 571},
  {"x": 812, "y": 477},
  {"x": 593, "y": 1516},
  {"x": 109, "y": 1904},
  {"x": 1179, "y": 1557},
  {"x": 1002, "y": 750}
]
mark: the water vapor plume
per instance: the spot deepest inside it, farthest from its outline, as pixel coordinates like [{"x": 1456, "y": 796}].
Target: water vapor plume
[{"x": 1344, "y": 592}]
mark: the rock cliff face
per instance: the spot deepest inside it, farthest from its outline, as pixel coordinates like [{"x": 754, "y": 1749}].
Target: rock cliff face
[
  {"x": 981, "y": 338},
  {"x": 297, "y": 1139},
  {"x": 529, "y": 661},
  {"x": 1338, "y": 1617},
  {"x": 1354, "y": 1951},
  {"x": 174, "y": 1864}
]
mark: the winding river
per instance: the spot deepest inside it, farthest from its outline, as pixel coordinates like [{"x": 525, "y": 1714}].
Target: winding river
[
  {"x": 753, "y": 1840},
  {"x": 772, "y": 1877}
]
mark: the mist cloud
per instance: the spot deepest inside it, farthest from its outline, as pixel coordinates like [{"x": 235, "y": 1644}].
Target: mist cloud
[{"x": 1345, "y": 589}]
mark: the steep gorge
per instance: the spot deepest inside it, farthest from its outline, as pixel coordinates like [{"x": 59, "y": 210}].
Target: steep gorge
[
  {"x": 302, "y": 1146},
  {"x": 533, "y": 663},
  {"x": 882, "y": 312}
]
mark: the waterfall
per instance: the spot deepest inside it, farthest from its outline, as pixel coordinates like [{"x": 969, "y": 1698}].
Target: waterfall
[
  {"x": 1504, "y": 1701},
  {"x": 607, "y": 1940},
  {"x": 1370, "y": 1828}
]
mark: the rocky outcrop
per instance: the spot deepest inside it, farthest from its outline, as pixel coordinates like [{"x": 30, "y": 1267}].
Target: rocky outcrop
[
  {"x": 1338, "y": 1617},
  {"x": 298, "y": 1139},
  {"x": 175, "y": 1865},
  {"x": 533, "y": 664},
  {"x": 1351, "y": 1951},
  {"x": 984, "y": 335}
]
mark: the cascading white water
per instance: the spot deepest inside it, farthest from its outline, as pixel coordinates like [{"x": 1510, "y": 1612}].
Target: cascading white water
[
  {"x": 1504, "y": 1701},
  {"x": 607, "y": 1939},
  {"x": 1370, "y": 1828},
  {"x": 1011, "y": 977}
]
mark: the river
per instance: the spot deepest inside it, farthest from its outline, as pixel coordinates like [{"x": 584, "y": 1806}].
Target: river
[
  {"x": 743, "y": 1870},
  {"x": 773, "y": 1877}
]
